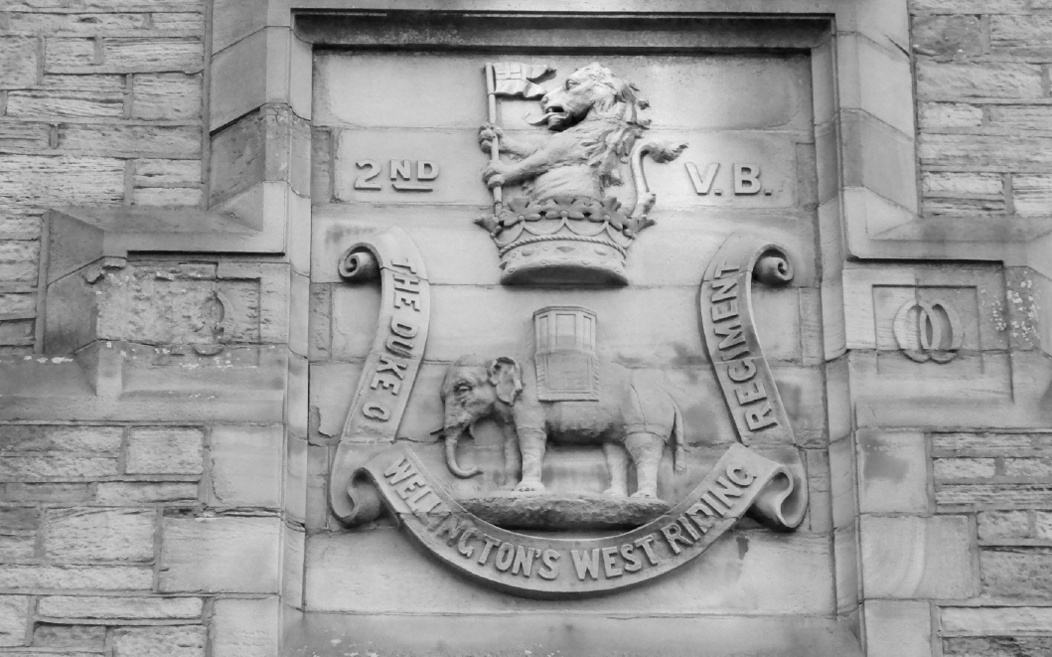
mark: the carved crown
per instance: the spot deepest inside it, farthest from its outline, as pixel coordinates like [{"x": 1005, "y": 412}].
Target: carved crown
[{"x": 562, "y": 240}]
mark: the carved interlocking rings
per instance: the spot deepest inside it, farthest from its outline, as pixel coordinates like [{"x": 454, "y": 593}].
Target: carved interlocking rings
[{"x": 928, "y": 331}]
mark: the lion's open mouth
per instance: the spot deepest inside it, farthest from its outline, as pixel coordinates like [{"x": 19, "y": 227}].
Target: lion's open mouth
[{"x": 554, "y": 115}]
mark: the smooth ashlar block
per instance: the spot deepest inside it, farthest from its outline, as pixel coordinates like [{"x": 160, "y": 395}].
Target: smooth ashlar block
[
  {"x": 893, "y": 472},
  {"x": 247, "y": 465},
  {"x": 913, "y": 557},
  {"x": 770, "y": 92},
  {"x": 733, "y": 576},
  {"x": 246, "y": 627},
  {"x": 234, "y": 554},
  {"x": 897, "y": 628}
]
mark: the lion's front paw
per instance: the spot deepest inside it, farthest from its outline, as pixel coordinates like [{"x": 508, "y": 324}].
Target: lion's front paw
[
  {"x": 487, "y": 134},
  {"x": 529, "y": 486},
  {"x": 495, "y": 174},
  {"x": 645, "y": 494}
]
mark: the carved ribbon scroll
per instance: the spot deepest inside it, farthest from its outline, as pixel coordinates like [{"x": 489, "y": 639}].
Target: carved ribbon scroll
[
  {"x": 548, "y": 567},
  {"x": 391, "y": 367},
  {"x": 745, "y": 378}
]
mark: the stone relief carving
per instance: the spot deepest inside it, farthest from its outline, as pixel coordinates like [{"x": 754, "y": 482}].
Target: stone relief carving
[
  {"x": 564, "y": 227},
  {"x": 928, "y": 331},
  {"x": 630, "y": 420}
]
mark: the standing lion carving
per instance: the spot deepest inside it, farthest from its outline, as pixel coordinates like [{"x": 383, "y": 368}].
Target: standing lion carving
[{"x": 594, "y": 125}]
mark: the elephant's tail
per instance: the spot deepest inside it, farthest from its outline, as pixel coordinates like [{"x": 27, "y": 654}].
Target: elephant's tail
[{"x": 679, "y": 454}]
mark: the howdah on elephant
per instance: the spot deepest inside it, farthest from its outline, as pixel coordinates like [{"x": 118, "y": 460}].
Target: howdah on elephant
[{"x": 630, "y": 419}]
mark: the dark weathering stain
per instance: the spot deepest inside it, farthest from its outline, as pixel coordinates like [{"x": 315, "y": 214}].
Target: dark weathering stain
[{"x": 743, "y": 544}]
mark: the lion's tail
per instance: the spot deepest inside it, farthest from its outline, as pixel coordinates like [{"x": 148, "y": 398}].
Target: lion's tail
[{"x": 659, "y": 151}]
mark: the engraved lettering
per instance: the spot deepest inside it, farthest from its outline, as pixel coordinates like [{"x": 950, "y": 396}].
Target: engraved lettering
[
  {"x": 462, "y": 544},
  {"x": 400, "y": 347},
  {"x": 403, "y": 263},
  {"x": 415, "y": 499},
  {"x": 549, "y": 569},
  {"x": 724, "y": 289},
  {"x": 648, "y": 549},
  {"x": 379, "y": 381},
  {"x": 441, "y": 511},
  {"x": 420, "y": 506},
  {"x": 441, "y": 516},
  {"x": 401, "y": 169},
  {"x": 739, "y": 475},
  {"x": 716, "y": 506},
  {"x": 408, "y": 486},
  {"x": 746, "y": 179},
  {"x": 388, "y": 365},
  {"x": 426, "y": 170},
  {"x": 702, "y": 186},
  {"x": 705, "y": 523},
  {"x": 694, "y": 533},
  {"x": 489, "y": 544},
  {"x": 396, "y": 472},
  {"x": 740, "y": 350},
  {"x": 524, "y": 560},
  {"x": 750, "y": 392},
  {"x": 586, "y": 562},
  {"x": 376, "y": 412},
  {"x": 633, "y": 562},
  {"x": 726, "y": 491},
  {"x": 724, "y": 310},
  {"x": 406, "y": 284},
  {"x": 761, "y": 417},
  {"x": 723, "y": 269},
  {"x": 403, "y": 330},
  {"x": 732, "y": 333},
  {"x": 373, "y": 171},
  {"x": 451, "y": 527},
  {"x": 673, "y": 536},
  {"x": 403, "y": 299},
  {"x": 610, "y": 566},
  {"x": 505, "y": 557},
  {"x": 742, "y": 371}
]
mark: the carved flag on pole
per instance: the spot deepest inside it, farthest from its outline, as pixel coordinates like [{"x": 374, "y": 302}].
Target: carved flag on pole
[{"x": 514, "y": 79}]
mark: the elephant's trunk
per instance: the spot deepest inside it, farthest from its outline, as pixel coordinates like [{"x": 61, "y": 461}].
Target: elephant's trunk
[{"x": 453, "y": 435}]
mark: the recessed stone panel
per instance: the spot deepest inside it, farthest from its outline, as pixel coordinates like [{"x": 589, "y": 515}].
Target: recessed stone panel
[{"x": 403, "y": 147}]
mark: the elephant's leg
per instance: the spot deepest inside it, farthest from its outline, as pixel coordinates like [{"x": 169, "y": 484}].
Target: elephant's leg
[
  {"x": 617, "y": 463},
  {"x": 532, "y": 444},
  {"x": 646, "y": 450},
  {"x": 512, "y": 457}
]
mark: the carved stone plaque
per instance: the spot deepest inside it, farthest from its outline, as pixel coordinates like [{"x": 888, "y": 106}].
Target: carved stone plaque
[{"x": 581, "y": 378}]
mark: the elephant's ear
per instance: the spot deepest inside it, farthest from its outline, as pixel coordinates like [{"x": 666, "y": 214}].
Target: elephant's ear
[{"x": 506, "y": 377}]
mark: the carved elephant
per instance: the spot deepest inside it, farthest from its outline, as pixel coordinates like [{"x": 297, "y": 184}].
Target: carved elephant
[{"x": 631, "y": 419}]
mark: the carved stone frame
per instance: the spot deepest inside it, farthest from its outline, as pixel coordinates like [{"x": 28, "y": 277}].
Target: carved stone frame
[{"x": 260, "y": 67}]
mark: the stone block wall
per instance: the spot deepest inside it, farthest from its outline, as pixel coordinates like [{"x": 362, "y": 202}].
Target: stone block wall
[
  {"x": 139, "y": 539},
  {"x": 100, "y": 105},
  {"x": 984, "y": 114},
  {"x": 147, "y": 539},
  {"x": 984, "y": 124}
]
